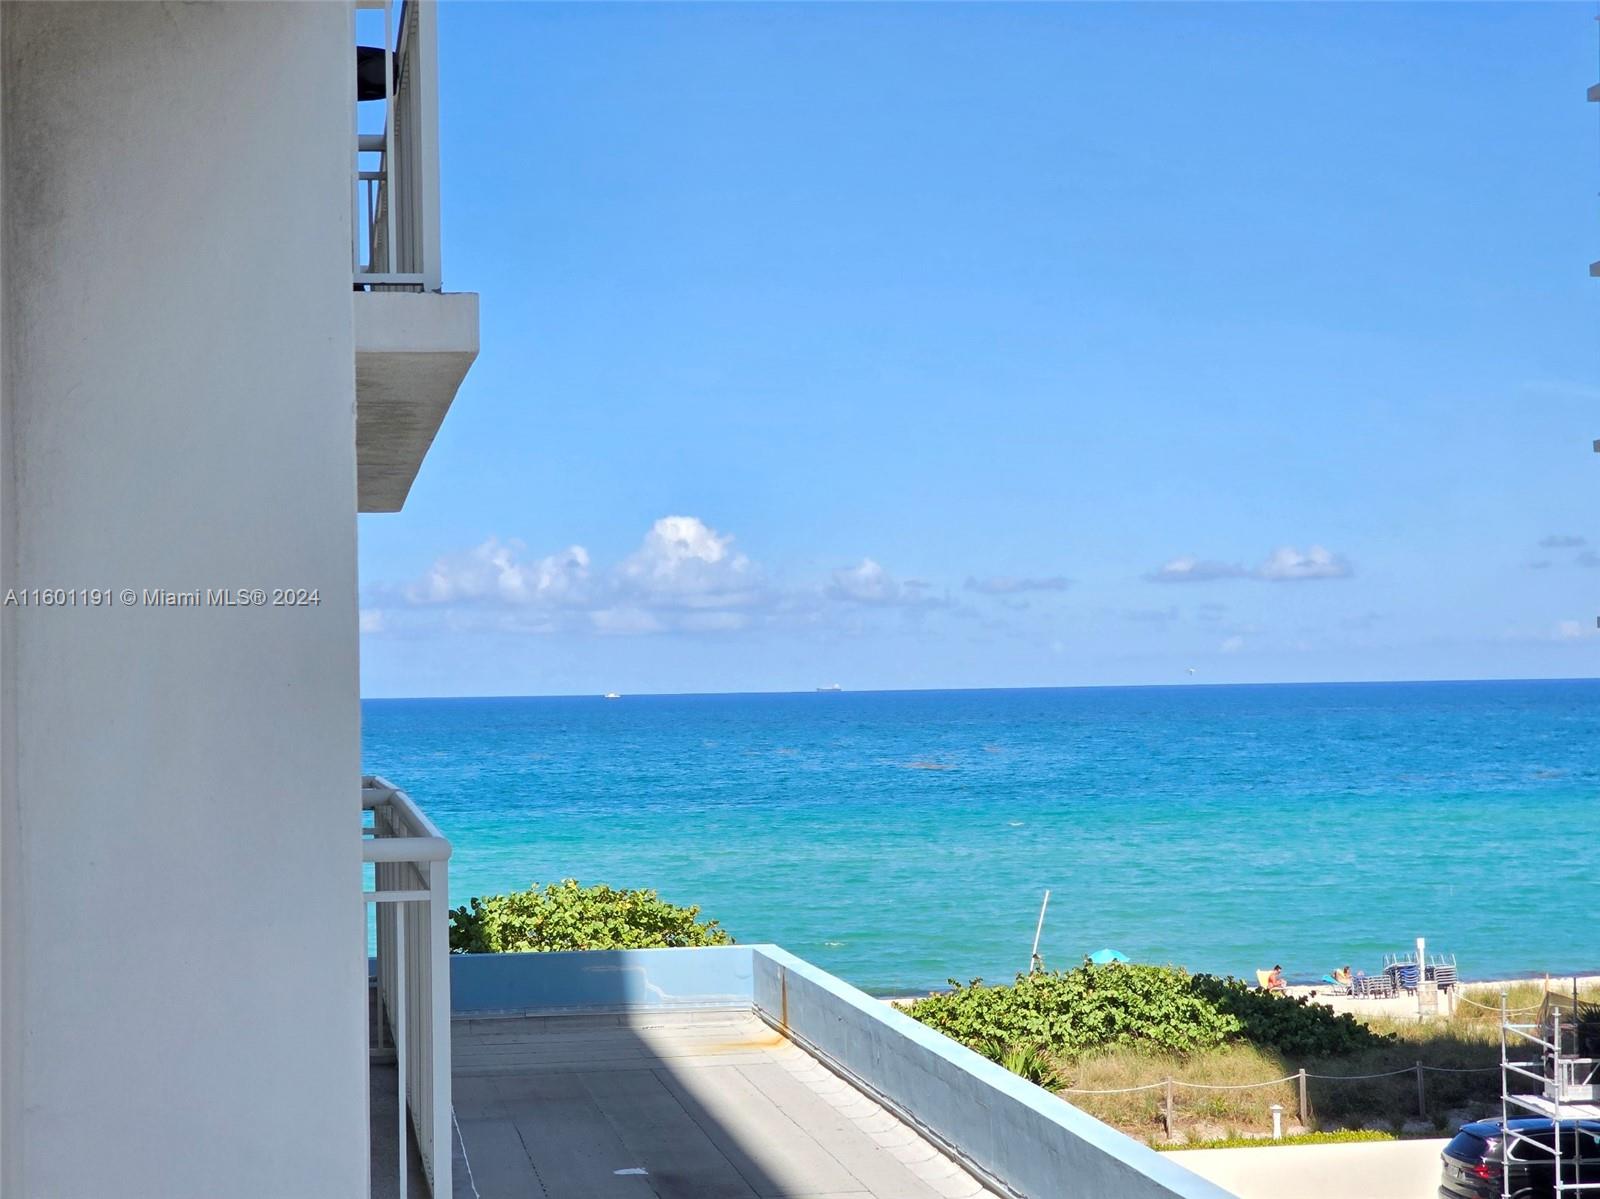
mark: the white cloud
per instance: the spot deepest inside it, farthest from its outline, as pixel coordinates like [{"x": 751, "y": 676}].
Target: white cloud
[
  {"x": 1287, "y": 564},
  {"x": 864, "y": 583},
  {"x": 1231, "y": 645},
  {"x": 1574, "y": 630},
  {"x": 372, "y": 620},
  {"x": 626, "y": 621},
  {"x": 683, "y": 562},
  {"x": 685, "y": 576},
  {"x": 714, "y": 622},
  {"x": 495, "y": 571},
  {"x": 1186, "y": 568},
  {"x": 1284, "y": 564},
  {"x": 1010, "y": 585}
]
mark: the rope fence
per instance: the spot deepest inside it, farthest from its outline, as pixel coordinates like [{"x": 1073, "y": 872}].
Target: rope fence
[
  {"x": 1274, "y": 1082},
  {"x": 1495, "y": 1007},
  {"x": 1302, "y": 1077},
  {"x": 1235, "y": 1086}
]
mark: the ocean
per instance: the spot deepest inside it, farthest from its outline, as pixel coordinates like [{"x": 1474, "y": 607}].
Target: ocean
[{"x": 901, "y": 839}]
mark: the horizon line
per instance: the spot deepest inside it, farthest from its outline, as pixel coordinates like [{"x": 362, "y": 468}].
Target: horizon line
[{"x": 945, "y": 690}]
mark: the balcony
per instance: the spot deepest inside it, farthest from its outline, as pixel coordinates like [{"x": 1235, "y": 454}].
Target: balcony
[
  {"x": 409, "y": 994},
  {"x": 414, "y": 341},
  {"x": 740, "y": 1072}
]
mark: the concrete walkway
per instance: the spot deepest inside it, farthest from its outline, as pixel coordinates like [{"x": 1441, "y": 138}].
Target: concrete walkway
[
  {"x": 1368, "y": 1170},
  {"x": 711, "y": 1105}
]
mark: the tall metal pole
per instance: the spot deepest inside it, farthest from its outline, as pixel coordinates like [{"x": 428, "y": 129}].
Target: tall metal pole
[{"x": 1033, "y": 958}]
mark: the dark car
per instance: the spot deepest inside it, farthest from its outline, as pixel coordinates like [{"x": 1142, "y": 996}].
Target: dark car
[{"x": 1472, "y": 1161}]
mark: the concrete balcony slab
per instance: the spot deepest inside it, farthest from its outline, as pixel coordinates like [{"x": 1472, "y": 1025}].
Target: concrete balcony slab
[{"x": 413, "y": 348}]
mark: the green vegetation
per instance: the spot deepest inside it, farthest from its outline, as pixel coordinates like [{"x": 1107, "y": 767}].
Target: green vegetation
[
  {"x": 1127, "y": 1029},
  {"x": 565, "y": 915},
  {"x": 1481, "y": 1004},
  {"x": 1092, "y": 1008},
  {"x": 1345, "y": 1136},
  {"x": 1027, "y": 1062},
  {"x": 1337, "y": 1100}
]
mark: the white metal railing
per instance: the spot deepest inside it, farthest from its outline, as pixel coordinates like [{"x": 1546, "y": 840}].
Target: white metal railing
[
  {"x": 410, "y": 877},
  {"x": 395, "y": 218}
]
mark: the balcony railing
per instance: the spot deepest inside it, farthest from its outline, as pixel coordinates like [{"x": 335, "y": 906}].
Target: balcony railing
[
  {"x": 410, "y": 888},
  {"x": 396, "y": 185}
]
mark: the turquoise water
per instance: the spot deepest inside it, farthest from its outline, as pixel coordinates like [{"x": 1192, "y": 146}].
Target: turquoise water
[{"x": 903, "y": 838}]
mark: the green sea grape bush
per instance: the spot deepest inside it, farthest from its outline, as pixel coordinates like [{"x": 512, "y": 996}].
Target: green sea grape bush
[
  {"x": 1091, "y": 1008},
  {"x": 1290, "y": 1024},
  {"x": 1078, "y": 1011},
  {"x": 566, "y": 915}
]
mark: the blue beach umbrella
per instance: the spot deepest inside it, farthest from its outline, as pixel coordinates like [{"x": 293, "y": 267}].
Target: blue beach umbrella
[{"x": 1104, "y": 957}]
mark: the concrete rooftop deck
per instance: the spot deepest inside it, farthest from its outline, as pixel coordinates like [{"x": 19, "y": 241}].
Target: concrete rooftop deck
[
  {"x": 742, "y": 1072},
  {"x": 674, "y": 1105}
]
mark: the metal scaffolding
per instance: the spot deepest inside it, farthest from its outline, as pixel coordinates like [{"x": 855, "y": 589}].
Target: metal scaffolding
[{"x": 1560, "y": 1082}]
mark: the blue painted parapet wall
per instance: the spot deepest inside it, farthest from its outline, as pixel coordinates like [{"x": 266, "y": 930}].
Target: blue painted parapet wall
[
  {"x": 1012, "y": 1131},
  {"x": 1021, "y": 1138},
  {"x": 601, "y": 980}
]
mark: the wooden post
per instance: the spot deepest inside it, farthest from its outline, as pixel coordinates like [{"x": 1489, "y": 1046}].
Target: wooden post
[
  {"x": 1422, "y": 1094},
  {"x": 1305, "y": 1101},
  {"x": 1167, "y": 1111}
]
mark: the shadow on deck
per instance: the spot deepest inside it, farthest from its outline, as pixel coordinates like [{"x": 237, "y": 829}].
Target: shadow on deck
[{"x": 675, "y": 1105}]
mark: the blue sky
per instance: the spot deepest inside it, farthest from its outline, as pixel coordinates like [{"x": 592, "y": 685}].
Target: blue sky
[{"x": 989, "y": 345}]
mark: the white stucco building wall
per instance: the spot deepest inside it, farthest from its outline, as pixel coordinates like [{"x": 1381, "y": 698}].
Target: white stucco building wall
[{"x": 182, "y": 952}]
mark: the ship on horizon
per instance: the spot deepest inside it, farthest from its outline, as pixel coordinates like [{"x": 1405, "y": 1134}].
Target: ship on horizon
[{"x": 831, "y": 687}]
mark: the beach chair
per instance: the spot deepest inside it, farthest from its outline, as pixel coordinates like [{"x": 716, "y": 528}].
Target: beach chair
[
  {"x": 1442, "y": 972},
  {"x": 1373, "y": 986},
  {"x": 1264, "y": 979}
]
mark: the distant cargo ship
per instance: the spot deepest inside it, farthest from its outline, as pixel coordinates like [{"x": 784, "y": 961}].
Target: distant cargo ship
[
  {"x": 831, "y": 687},
  {"x": 611, "y": 695}
]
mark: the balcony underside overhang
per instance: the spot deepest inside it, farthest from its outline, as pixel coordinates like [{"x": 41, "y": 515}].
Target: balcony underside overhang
[{"x": 412, "y": 351}]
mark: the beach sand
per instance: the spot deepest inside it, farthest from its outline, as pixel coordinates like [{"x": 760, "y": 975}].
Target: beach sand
[{"x": 1485, "y": 994}]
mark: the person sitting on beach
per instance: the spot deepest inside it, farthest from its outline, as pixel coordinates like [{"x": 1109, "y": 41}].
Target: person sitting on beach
[
  {"x": 1275, "y": 980},
  {"x": 1342, "y": 977}
]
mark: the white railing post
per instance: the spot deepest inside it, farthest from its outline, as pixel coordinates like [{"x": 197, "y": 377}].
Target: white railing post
[
  {"x": 390, "y": 243},
  {"x": 402, "y": 1052},
  {"x": 439, "y": 1105},
  {"x": 424, "y": 56},
  {"x": 400, "y": 240},
  {"x": 410, "y": 867}
]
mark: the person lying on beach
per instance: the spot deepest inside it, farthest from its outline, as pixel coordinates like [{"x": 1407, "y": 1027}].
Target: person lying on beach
[{"x": 1342, "y": 976}]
